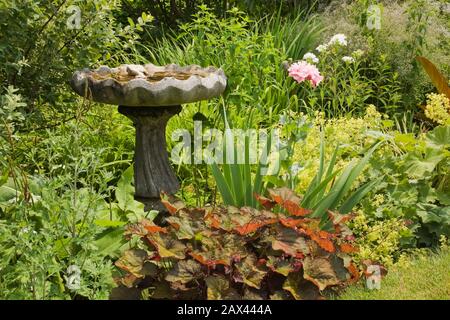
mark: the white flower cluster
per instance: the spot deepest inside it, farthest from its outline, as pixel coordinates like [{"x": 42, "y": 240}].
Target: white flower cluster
[
  {"x": 338, "y": 39},
  {"x": 310, "y": 57},
  {"x": 348, "y": 59}
]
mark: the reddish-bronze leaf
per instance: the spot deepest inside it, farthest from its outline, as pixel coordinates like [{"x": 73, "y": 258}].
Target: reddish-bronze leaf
[
  {"x": 348, "y": 248},
  {"x": 324, "y": 271},
  {"x": 281, "y": 266},
  {"x": 290, "y": 242},
  {"x": 213, "y": 220},
  {"x": 289, "y": 200},
  {"x": 206, "y": 262},
  {"x": 437, "y": 78},
  {"x": 184, "y": 272},
  {"x": 167, "y": 246},
  {"x": 354, "y": 272},
  {"x": 300, "y": 288},
  {"x": 253, "y": 226},
  {"x": 295, "y": 209},
  {"x": 250, "y": 273},
  {"x": 265, "y": 202},
  {"x": 291, "y": 222},
  {"x": 323, "y": 243},
  {"x": 219, "y": 289},
  {"x": 280, "y": 195},
  {"x": 155, "y": 229},
  {"x": 171, "y": 203}
]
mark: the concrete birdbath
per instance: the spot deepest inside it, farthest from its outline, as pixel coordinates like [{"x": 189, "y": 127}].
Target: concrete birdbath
[{"x": 150, "y": 95}]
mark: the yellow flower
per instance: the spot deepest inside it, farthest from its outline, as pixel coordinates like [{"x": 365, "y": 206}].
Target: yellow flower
[{"x": 438, "y": 108}]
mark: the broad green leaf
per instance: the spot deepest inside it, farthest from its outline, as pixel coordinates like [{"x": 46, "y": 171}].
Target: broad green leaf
[
  {"x": 7, "y": 193},
  {"x": 109, "y": 223},
  {"x": 418, "y": 164},
  {"x": 109, "y": 242},
  {"x": 440, "y": 136}
]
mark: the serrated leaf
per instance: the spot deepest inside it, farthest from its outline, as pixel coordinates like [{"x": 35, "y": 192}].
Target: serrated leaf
[
  {"x": 166, "y": 246},
  {"x": 251, "y": 274},
  {"x": 290, "y": 242},
  {"x": 299, "y": 288},
  {"x": 324, "y": 271},
  {"x": 184, "y": 272},
  {"x": 219, "y": 289},
  {"x": 134, "y": 262}
]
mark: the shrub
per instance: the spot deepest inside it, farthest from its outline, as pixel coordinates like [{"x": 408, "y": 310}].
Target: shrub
[
  {"x": 40, "y": 50},
  {"x": 438, "y": 108},
  {"x": 231, "y": 253},
  {"x": 352, "y": 79},
  {"x": 408, "y": 28}
]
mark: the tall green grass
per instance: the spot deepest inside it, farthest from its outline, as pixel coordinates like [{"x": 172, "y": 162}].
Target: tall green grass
[{"x": 295, "y": 34}]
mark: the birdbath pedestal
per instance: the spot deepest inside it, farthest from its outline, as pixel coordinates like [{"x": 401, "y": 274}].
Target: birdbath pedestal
[{"x": 150, "y": 95}]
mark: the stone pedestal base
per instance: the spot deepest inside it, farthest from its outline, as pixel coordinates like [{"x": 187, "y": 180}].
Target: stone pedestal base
[{"x": 152, "y": 171}]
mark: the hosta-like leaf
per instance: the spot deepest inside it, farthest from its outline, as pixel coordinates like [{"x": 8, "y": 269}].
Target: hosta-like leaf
[
  {"x": 418, "y": 164},
  {"x": 440, "y": 136}
]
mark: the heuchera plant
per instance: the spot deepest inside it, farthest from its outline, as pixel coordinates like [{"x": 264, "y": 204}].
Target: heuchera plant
[{"x": 278, "y": 252}]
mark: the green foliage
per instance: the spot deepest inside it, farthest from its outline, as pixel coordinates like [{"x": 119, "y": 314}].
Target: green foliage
[
  {"x": 295, "y": 34},
  {"x": 236, "y": 182},
  {"x": 231, "y": 253},
  {"x": 352, "y": 80},
  {"x": 40, "y": 50},
  {"x": 408, "y": 28},
  {"x": 43, "y": 232},
  {"x": 171, "y": 13},
  {"x": 46, "y": 228},
  {"x": 329, "y": 191},
  {"x": 416, "y": 185},
  {"x": 424, "y": 277}
]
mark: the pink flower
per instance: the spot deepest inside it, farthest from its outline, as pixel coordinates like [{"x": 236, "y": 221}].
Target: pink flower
[{"x": 302, "y": 71}]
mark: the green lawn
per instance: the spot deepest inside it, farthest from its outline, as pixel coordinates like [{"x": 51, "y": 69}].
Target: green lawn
[{"x": 427, "y": 278}]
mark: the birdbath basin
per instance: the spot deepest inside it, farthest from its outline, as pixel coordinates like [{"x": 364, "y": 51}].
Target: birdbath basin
[{"x": 150, "y": 95}]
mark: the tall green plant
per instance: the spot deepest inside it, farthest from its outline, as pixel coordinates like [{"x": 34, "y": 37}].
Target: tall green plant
[
  {"x": 236, "y": 182},
  {"x": 295, "y": 34},
  {"x": 330, "y": 189}
]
